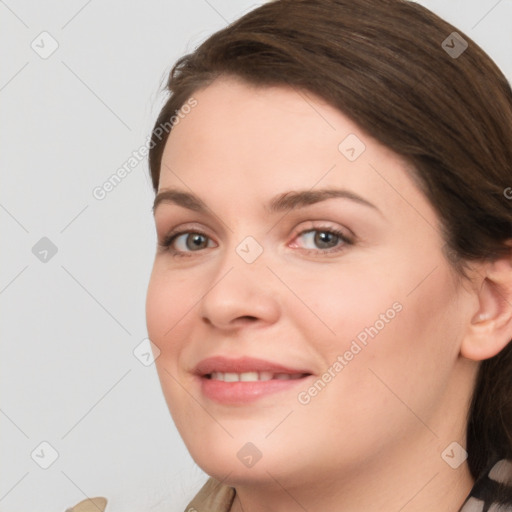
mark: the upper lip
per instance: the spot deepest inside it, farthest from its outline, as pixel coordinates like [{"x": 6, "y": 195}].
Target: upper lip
[{"x": 241, "y": 365}]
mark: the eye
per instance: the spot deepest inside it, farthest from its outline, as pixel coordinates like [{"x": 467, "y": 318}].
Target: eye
[
  {"x": 326, "y": 239},
  {"x": 183, "y": 242}
]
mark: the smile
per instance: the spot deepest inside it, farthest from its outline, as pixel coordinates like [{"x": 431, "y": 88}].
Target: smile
[
  {"x": 253, "y": 376},
  {"x": 240, "y": 381}
]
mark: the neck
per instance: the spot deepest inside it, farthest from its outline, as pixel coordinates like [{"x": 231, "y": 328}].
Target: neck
[{"x": 419, "y": 480}]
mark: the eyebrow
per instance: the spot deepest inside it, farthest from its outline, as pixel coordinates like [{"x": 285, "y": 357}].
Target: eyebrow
[{"x": 291, "y": 200}]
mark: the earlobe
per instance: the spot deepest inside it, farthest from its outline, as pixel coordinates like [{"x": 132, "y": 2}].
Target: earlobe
[
  {"x": 490, "y": 329},
  {"x": 481, "y": 317}
]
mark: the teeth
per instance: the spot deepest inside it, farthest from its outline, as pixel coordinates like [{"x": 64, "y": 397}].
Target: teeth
[
  {"x": 249, "y": 377},
  {"x": 252, "y": 376}
]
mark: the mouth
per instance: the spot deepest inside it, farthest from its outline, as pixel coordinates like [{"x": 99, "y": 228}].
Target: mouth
[
  {"x": 253, "y": 376},
  {"x": 244, "y": 380}
]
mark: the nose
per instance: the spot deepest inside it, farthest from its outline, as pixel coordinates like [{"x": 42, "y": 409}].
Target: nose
[{"x": 240, "y": 293}]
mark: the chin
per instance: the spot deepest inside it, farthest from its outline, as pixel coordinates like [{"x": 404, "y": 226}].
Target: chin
[{"x": 237, "y": 460}]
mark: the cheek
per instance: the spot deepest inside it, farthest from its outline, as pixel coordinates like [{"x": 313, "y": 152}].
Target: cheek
[
  {"x": 408, "y": 353},
  {"x": 337, "y": 306},
  {"x": 393, "y": 335},
  {"x": 163, "y": 314},
  {"x": 167, "y": 304},
  {"x": 168, "y": 299},
  {"x": 157, "y": 308},
  {"x": 171, "y": 312}
]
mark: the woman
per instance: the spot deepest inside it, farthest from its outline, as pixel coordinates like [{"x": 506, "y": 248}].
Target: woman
[{"x": 332, "y": 291}]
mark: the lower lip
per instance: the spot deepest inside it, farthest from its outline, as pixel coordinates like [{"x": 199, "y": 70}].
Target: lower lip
[{"x": 245, "y": 392}]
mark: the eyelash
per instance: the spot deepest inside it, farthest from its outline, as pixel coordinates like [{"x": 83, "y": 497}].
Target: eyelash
[{"x": 166, "y": 244}]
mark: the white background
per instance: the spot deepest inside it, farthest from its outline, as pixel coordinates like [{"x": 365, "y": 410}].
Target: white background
[{"x": 69, "y": 325}]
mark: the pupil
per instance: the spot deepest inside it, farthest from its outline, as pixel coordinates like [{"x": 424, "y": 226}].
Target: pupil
[
  {"x": 322, "y": 235},
  {"x": 197, "y": 240}
]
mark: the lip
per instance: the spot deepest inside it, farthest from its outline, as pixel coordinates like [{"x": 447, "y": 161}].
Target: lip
[
  {"x": 242, "y": 364},
  {"x": 241, "y": 392}
]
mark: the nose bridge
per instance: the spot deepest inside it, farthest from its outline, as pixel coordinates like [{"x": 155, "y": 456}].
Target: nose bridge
[
  {"x": 244, "y": 240},
  {"x": 243, "y": 264},
  {"x": 241, "y": 286}
]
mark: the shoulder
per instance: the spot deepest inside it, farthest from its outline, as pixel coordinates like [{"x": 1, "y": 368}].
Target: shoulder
[
  {"x": 212, "y": 497},
  {"x": 89, "y": 505},
  {"x": 492, "y": 490}
]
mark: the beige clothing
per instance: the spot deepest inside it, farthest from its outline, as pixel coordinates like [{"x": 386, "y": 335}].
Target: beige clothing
[{"x": 212, "y": 497}]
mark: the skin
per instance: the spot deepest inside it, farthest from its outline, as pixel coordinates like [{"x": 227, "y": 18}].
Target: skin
[{"x": 372, "y": 438}]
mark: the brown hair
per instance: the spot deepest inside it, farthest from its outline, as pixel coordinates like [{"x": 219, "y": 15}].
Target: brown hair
[{"x": 386, "y": 64}]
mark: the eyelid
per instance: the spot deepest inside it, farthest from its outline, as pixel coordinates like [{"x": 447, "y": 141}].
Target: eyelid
[
  {"x": 323, "y": 225},
  {"x": 193, "y": 227},
  {"x": 312, "y": 224}
]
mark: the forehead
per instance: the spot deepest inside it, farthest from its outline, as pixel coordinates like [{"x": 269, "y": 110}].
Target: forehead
[
  {"x": 262, "y": 121},
  {"x": 260, "y": 141}
]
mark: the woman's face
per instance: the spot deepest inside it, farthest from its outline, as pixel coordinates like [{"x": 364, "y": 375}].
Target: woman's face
[{"x": 346, "y": 300}]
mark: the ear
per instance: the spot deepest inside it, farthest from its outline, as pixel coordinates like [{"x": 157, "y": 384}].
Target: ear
[{"x": 490, "y": 329}]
